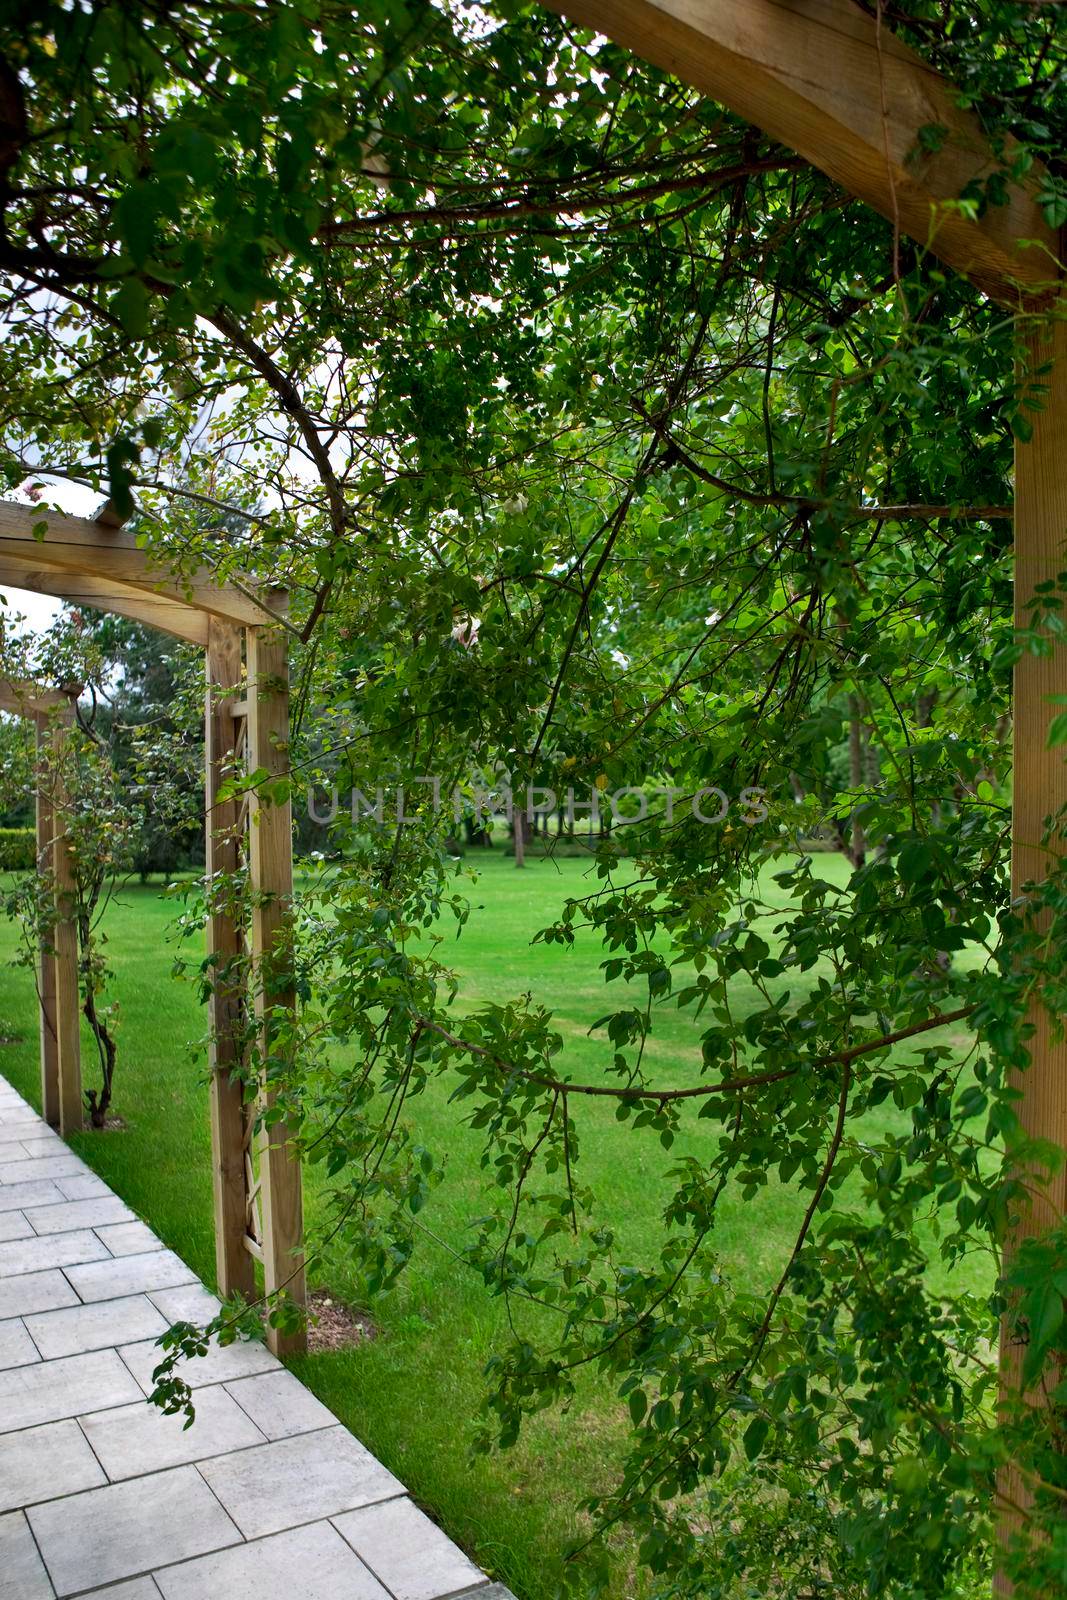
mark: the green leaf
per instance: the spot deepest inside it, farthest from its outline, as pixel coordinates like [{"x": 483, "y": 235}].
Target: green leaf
[
  {"x": 130, "y": 305},
  {"x": 755, "y": 1437}
]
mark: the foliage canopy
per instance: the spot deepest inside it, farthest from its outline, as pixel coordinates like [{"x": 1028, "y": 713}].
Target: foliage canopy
[{"x": 467, "y": 318}]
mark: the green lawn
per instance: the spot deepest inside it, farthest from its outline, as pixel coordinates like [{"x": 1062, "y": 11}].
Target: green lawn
[{"x": 412, "y": 1393}]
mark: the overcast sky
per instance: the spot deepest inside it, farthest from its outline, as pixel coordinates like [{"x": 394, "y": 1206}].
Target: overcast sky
[{"x": 39, "y": 609}]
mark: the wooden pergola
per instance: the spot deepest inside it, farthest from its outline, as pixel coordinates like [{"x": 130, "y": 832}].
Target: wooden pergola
[
  {"x": 831, "y": 81},
  {"x": 52, "y": 712},
  {"x": 828, "y": 79},
  {"x": 256, "y": 1174}
]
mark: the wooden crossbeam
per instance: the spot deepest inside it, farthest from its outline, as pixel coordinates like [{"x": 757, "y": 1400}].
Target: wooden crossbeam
[
  {"x": 101, "y": 594},
  {"x": 851, "y": 98},
  {"x": 24, "y": 699},
  {"x": 99, "y": 551}
]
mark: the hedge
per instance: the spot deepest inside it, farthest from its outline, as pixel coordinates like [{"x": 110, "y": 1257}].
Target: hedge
[{"x": 18, "y": 849}]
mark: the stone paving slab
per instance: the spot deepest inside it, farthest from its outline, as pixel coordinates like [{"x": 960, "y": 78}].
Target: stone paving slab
[
  {"x": 53, "y": 1250},
  {"x": 107, "y": 1280},
  {"x": 52, "y": 1145},
  {"x": 264, "y": 1497},
  {"x": 84, "y": 1186},
  {"x": 242, "y": 1359},
  {"x": 135, "y": 1589},
  {"x": 74, "y": 1214},
  {"x": 313, "y": 1563},
  {"x": 132, "y": 1440},
  {"x": 17, "y": 1349},
  {"x": 34, "y": 1291},
  {"x": 22, "y": 1574},
  {"x": 33, "y": 1168},
  {"x": 97, "y": 1326},
  {"x": 17, "y": 1196},
  {"x": 279, "y": 1404},
  {"x": 49, "y": 1390},
  {"x": 185, "y": 1302},
  {"x": 43, "y": 1463},
  {"x": 407, "y": 1551},
  {"x": 129, "y": 1237},
  {"x": 14, "y": 1225},
  {"x": 301, "y": 1479},
  {"x": 128, "y": 1528}
]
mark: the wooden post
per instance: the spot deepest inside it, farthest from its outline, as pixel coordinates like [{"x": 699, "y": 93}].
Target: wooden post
[
  {"x": 234, "y": 1267},
  {"x": 68, "y": 1009},
  {"x": 270, "y": 862},
  {"x": 46, "y": 981},
  {"x": 1040, "y": 789}
]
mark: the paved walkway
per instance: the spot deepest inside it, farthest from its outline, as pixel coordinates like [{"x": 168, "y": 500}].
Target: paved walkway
[{"x": 266, "y": 1496}]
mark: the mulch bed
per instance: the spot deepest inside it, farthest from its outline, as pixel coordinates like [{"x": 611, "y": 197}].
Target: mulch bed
[{"x": 333, "y": 1326}]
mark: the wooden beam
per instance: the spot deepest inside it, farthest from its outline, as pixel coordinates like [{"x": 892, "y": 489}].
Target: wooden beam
[
  {"x": 234, "y": 1268},
  {"x": 1039, "y": 791},
  {"x": 816, "y": 75},
  {"x": 22, "y": 699},
  {"x": 68, "y": 1008},
  {"x": 168, "y": 615},
  {"x": 46, "y": 969},
  {"x": 270, "y": 862},
  {"x": 95, "y": 550}
]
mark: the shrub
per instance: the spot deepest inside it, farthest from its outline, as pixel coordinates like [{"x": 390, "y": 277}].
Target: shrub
[{"x": 18, "y": 849}]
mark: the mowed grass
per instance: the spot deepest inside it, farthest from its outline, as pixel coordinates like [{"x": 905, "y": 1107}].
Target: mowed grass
[{"x": 412, "y": 1394}]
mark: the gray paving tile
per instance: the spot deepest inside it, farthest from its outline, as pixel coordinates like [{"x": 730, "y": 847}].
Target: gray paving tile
[
  {"x": 128, "y": 1528},
  {"x": 38, "y": 1253},
  {"x": 189, "y": 1302},
  {"x": 313, "y": 1562},
  {"x": 13, "y": 1225},
  {"x": 135, "y": 1589},
  {"x": 273, "y": 1463},
  {"x": 11, "y": 1149},
  {"x": 128, "y": 1237},
  {"x": 44, "y": 1463},
  {"x": 17, "y": 1349},
  {"x": 71, "y": 1214},
  {"x": 312, "y": 1475},
  {"x": 408, "y": 1552},
  {"x": 35, "y": 1291},
  {"x": 21, "y": 1195},
  {"x": 242, "y": 1359},
  {"x": 84, "y": 1186},
  {"x": 41, "y": 1145},
  {"x": 30, "y": 1170},
  {"x": 96, "y": 1326},
  {"x": 280, "y": 1405},
  {"x": 138, "y": 1438},
  {"x": 107, "y": 1280},
  {"x": 22, "y": 1577},
  {"x": 64, "y": 1388}
]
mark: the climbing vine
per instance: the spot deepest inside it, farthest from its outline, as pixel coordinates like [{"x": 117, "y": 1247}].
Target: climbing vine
[{"x": 606, "y": 445}]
